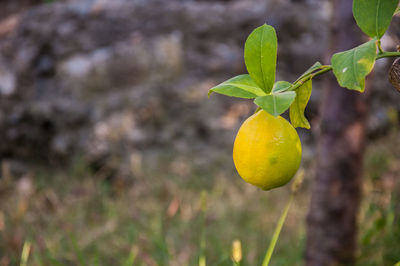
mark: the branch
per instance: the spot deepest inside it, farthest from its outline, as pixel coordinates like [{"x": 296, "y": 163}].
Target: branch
[
  {"x": 319, "y": 71},
  {"x": 388, "y": 54},
  {"x": 326, "y": 68}
]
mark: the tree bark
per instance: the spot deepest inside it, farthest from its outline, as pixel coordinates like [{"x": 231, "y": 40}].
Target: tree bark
[{"x": 336, "y": 192}]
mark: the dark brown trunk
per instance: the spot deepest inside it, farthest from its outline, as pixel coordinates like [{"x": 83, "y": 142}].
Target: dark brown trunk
[{"x": 336, "y": 192}]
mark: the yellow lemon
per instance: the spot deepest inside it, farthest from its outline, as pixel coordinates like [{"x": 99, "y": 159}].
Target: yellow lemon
[{"x": 267, "y": 151}]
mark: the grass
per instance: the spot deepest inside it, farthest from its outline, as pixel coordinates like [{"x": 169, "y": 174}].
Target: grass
[
  {"x": 176, "y": 210},
  {"x": 380, "y": 211},
  {"x": 167, "y": 215}
]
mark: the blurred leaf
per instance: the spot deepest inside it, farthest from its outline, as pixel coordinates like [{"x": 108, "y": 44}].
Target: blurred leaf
[
  {"x": 260, "y": 53},
  {"x": 78, "y": 252},
  {"x": 374, "y": 16},
  {"x": 25, "y": 253},
  {"x": 350, "y": 67},
  {"x": 297, "y": 108},
  {"x": 276, "y": 103},
  {"x": 132, "y": 257},
  {"x": 281, "y": 86},
  {"x": 241, "y": 86}
]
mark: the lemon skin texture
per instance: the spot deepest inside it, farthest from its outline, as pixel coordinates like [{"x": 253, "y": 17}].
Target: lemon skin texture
[{"x": 267, "y": 151}]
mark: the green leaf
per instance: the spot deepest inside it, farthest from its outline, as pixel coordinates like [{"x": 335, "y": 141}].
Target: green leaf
[
  {"x": 276, "y": 103},
  {"x": 297, "y": 108},
  {"x": 314, "y": 67},
  {"x": 350, "y": 67},
  {"x": 260, "y": 52},
  {"x": 397, "y": 10},
  {"x": 374, "y": 16},
  {"x": 281, "y": 86},
  {"x": 241, "y": 86}
]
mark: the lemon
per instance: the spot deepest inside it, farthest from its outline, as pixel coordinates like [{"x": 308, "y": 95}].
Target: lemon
[{"x": 267, "y": 151}]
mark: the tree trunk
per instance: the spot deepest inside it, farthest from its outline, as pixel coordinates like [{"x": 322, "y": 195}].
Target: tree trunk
[{"x": 336, "y": 192}]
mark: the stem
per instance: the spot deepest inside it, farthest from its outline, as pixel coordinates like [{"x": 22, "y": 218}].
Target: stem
[
  {"x": 388, "y": 54},
  {"x": 327, "y": 68},
  {"x": 307, "y": 75},
  {"x": 294, "y": 188},
  {"x": 306, "y": 78},
  {"x": 202, "y": 257},
  {"x": 277, "y": 231},
  {"x": 378, "y": 43}
]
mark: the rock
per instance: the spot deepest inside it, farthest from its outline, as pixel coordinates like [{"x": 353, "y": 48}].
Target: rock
[
  {"x": 105, "y": 78},
  {"x": 7, "y": 81}
]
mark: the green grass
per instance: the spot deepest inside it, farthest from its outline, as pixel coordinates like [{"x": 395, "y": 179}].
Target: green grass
[
  {"x": 380, "y": 226},
  {"x": 174, "y": 210}
]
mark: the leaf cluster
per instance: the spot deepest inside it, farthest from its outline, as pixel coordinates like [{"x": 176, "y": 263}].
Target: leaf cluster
[{"x": 349, "y": 67}]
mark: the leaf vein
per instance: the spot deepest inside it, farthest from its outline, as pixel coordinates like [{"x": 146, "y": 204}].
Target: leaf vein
[
  {"x": 354, "y": 65},
  {"x": 261, "y": 57},
  {"x": 376, "y": 18}
]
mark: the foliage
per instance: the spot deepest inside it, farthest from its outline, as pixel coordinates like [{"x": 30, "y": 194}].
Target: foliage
[
  {"x": 242, "y": 86},
  {"x": 374, "y": 16},
  {"x": 276, "y": 103},
  {"x": 350, "y": 67},
  {"x": 260, "y": 53},
  {"x": 299, "y": 105}
]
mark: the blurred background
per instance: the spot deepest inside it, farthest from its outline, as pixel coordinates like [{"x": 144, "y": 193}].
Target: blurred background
[{"x": 112, "y": 154}]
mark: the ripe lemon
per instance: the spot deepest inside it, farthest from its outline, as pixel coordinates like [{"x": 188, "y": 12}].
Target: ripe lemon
[{"x": 267, "y": 151}]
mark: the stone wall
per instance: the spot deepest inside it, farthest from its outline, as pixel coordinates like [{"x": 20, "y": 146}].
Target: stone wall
[{"x": 105, "y": 78}]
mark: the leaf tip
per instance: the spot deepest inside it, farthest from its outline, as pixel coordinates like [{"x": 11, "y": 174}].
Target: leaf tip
[{"x": 303, "y": 124}]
